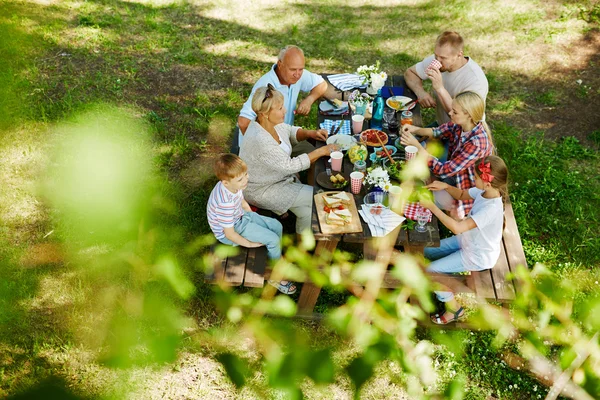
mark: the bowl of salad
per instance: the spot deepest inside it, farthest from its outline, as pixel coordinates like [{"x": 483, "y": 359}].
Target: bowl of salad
[{"x": 394, "y": 169}]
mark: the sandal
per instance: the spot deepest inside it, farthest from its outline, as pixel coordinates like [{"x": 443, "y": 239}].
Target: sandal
[
  {"x": 285, "y": 288},
  {"x": 440, "y": 319}
]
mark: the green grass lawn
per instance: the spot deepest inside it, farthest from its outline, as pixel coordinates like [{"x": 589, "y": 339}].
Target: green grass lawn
[{"x": 158, "y": 85}]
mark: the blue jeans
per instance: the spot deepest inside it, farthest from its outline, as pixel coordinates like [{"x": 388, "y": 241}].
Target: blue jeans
[
  {"x": 261, "y": 229},
  {"x": 446, "y": 259}
]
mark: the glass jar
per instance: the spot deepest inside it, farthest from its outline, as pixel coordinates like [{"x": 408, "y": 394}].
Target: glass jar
[
  {"x": 360, "y": 166},
  {"x": 406, "y": 118}
]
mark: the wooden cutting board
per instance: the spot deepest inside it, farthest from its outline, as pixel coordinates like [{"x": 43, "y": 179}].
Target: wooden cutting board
[{"x": 353, "y": 227}]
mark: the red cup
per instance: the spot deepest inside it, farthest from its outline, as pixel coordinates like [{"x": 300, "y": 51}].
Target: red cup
[
  {"x": 435, "y": 64},
  {"x": 356, "y": 179}
]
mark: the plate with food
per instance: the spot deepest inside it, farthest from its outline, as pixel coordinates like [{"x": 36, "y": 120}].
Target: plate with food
[
  {"x": 398, "y": 102},
  {"x": 369, "y": 137},
  {"x": 336, "y": 180},
  {"x": 344, "y": 141}
]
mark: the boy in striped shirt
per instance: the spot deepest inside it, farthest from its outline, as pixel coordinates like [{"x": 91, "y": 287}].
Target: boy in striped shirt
[{"x": 232, "y": 220}]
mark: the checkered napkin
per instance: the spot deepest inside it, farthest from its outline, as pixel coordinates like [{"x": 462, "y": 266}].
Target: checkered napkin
[
  {"x": 346, "y": 81},
  {"x": 382, "y": 224},
  {"x": 410, "y": 211},
  {"x": 344, "y": 130}
]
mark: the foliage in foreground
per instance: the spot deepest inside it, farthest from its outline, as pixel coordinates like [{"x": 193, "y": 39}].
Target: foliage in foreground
[{"x": 106, "y": 205}]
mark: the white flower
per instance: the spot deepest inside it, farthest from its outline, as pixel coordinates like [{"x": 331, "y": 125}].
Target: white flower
[
  {"x": 579, "y": 81},
  {"x": 378, "y": 177},
  {"x": 368, "y": 73}
]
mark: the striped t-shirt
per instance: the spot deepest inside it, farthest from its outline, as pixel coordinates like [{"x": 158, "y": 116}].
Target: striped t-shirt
[{"x": 224, "y": 209}]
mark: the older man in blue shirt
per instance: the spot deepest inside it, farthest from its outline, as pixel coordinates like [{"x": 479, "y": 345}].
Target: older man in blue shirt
[{"x": 290, "y": 78}]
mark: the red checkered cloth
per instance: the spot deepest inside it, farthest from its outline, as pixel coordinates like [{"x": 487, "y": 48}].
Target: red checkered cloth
[{"x": 410, "y": 211}]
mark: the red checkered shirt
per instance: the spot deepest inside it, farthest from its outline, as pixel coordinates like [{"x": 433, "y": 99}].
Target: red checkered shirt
[{"x": 464, "y": 148}]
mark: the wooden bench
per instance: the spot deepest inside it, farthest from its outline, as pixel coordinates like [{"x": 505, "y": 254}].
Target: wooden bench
[{"x": 247, "y": 268}]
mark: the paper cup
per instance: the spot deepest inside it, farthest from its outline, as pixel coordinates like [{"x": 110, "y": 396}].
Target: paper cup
[
  {"x": 395, "y": 197},
  {"x": 357, "y": 123},
  {"x": 435, "y": 64},
  {"x": 336, "y": 160},
  {"x": 411, "y": 152},
  {"x": 356, "y": 179}
]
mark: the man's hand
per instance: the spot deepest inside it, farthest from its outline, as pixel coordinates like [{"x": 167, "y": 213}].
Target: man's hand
[
  {"x": 320, "y": 134},
  {"x": 426, "y": 100},
  {"x": 304, "y": 106},
  {"x": 253, "y": 244},
  {"x": 436, "y": 78}
]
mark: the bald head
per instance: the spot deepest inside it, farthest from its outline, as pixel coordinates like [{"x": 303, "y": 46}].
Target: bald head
[{"x": 290, "y": 65}]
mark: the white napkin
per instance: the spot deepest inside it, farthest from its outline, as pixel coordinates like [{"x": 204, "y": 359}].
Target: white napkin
[{"x": 382, "y": 224}]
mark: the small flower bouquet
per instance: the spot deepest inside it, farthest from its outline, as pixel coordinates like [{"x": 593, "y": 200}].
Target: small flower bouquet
[
  {"x": 372, "y": 75},
  {"x": 378, "y": 177},
  {"x": 359, "y": 99}
]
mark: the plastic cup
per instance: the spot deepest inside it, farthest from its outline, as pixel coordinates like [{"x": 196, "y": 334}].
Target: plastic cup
[
  {"x": 336, "y": 160},
  {"x": 357, "y": 123},
  {"x": 411, "y": 152},
  {"x": 356, "y": 179},
  {"x": 395, "y": 197}
]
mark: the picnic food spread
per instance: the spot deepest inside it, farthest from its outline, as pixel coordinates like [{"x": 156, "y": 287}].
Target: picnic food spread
[{"x": 369, "y": 137}]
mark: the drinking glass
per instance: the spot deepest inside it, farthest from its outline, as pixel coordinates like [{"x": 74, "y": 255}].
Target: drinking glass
[
  {"x": 422, "y": 217},
  {"x": 389, "y": 115}
]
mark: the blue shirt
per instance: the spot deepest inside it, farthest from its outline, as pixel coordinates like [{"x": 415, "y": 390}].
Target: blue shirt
[{"x": 306, "y": 83}]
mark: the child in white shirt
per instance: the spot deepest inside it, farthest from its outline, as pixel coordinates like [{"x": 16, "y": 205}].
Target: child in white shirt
[{"x": 476, "y": 245}]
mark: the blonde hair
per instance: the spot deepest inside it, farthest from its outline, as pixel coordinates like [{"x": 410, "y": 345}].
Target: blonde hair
[
  {"x": 229, "y": 166},
  {"x": 264, "y": 98},
  {"x": 500, "y": 172},
  {"x": 453, "y": 39},
  {"x": 474, "y": 106}
]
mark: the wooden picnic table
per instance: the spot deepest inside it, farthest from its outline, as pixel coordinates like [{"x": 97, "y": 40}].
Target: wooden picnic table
[{"x": 378, "y": 249}]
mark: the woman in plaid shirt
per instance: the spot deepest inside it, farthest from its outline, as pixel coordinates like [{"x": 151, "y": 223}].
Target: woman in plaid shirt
[{"x": 468, "y": 138}]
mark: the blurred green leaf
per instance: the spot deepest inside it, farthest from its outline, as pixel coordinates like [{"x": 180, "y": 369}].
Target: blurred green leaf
[
  {"x": 167, "y": 268},
  {"x": 320, "y": 367},
  {"x": 236, "y": 368},
  {"x": 360, "y": 371},
  {"x": 456, "y": 389}
]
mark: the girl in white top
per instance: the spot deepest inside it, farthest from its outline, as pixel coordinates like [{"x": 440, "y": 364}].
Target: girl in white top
[{"x": 476, "y": 245}]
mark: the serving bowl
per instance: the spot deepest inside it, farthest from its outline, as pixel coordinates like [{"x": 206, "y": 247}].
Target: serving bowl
[
  {"x": 376, "y": 202},
  {"x": 374, "y": 157}
]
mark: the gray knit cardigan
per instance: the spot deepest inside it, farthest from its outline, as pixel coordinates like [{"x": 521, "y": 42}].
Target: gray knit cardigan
[{"x": 272, "y": 172}]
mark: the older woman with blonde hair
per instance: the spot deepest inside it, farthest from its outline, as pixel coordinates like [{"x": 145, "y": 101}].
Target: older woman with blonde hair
[
  {"x": 469, "y": 138},
  {"x": 273, "y": 182}
]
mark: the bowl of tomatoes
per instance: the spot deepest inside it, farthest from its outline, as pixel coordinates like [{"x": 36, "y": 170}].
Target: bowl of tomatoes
[
  {"x": 378, "y": 153},
  {"x": 369, "y": 137}
]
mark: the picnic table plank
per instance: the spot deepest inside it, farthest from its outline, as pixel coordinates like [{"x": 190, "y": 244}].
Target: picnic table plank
[{"x": 310, "y": 292}]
